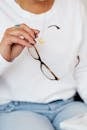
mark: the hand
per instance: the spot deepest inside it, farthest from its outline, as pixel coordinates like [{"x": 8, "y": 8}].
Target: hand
[{"x": 15, "y": 39}]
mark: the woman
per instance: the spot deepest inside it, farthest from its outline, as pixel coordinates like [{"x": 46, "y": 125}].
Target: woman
[{"x": 43, "y": 52}]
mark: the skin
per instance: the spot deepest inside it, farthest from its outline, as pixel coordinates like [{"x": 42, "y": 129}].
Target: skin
[
  {"x": 15, "y": 39},
  {"x": 36, "y": 6}
]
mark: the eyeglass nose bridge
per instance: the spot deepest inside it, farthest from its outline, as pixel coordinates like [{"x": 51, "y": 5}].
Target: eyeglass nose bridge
[{"x": 42, "y": 63}]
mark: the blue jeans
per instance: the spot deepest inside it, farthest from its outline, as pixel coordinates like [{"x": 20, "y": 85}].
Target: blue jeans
[{"x": 36, "y": 116}]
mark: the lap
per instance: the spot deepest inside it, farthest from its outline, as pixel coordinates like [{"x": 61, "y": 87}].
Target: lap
[
  {"x": 68, "y": 111},
  {"x": 26, "y": 120},
  {"x": 23, "y": 120}
]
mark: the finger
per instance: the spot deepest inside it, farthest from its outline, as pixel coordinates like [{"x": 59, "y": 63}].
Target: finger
[
  {"x": 16, "y": 40},
  {"x": 22, "y": 33},
  {"x": 36, "y": 32},
  {"x": 31, "y": 31}
]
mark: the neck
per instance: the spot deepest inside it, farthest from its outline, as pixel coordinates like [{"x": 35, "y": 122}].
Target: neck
[{"x": 36, "y": 6}]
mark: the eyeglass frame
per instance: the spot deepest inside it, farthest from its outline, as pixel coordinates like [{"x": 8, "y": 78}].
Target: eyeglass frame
[{"x": 42, "y": 63}]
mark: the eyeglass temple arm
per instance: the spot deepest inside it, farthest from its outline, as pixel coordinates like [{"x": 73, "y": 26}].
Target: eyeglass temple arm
[{"x": 54, "y": 26}]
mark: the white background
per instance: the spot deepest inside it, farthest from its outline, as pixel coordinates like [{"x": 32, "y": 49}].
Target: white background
[{"x": 85, "y": 1}]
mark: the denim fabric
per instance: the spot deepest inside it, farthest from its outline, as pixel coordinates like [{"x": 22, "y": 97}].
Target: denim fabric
[{"x": 18, "y": 115}]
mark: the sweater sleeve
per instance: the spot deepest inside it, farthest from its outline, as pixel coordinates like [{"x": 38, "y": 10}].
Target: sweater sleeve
[
  {"x": 3, "y": 65},
  {"x": 81, "y": 69}
]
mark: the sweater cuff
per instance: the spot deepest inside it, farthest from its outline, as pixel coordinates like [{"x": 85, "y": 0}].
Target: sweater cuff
[{"x": 3, "y": 64}]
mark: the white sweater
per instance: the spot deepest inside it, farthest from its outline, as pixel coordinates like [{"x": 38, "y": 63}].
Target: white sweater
[{"x": 22, "y": 78}]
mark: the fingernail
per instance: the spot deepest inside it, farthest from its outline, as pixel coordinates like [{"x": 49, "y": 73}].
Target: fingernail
[
  {"x": 38, "y": 31},
  {"x": 35, "y": 35},
  {"x": 33, "y": 43}
]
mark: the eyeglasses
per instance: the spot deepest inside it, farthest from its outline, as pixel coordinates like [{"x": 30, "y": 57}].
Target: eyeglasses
[
  {"x": 57, "y": 27},
  {"x": 47, "y": 72}
]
